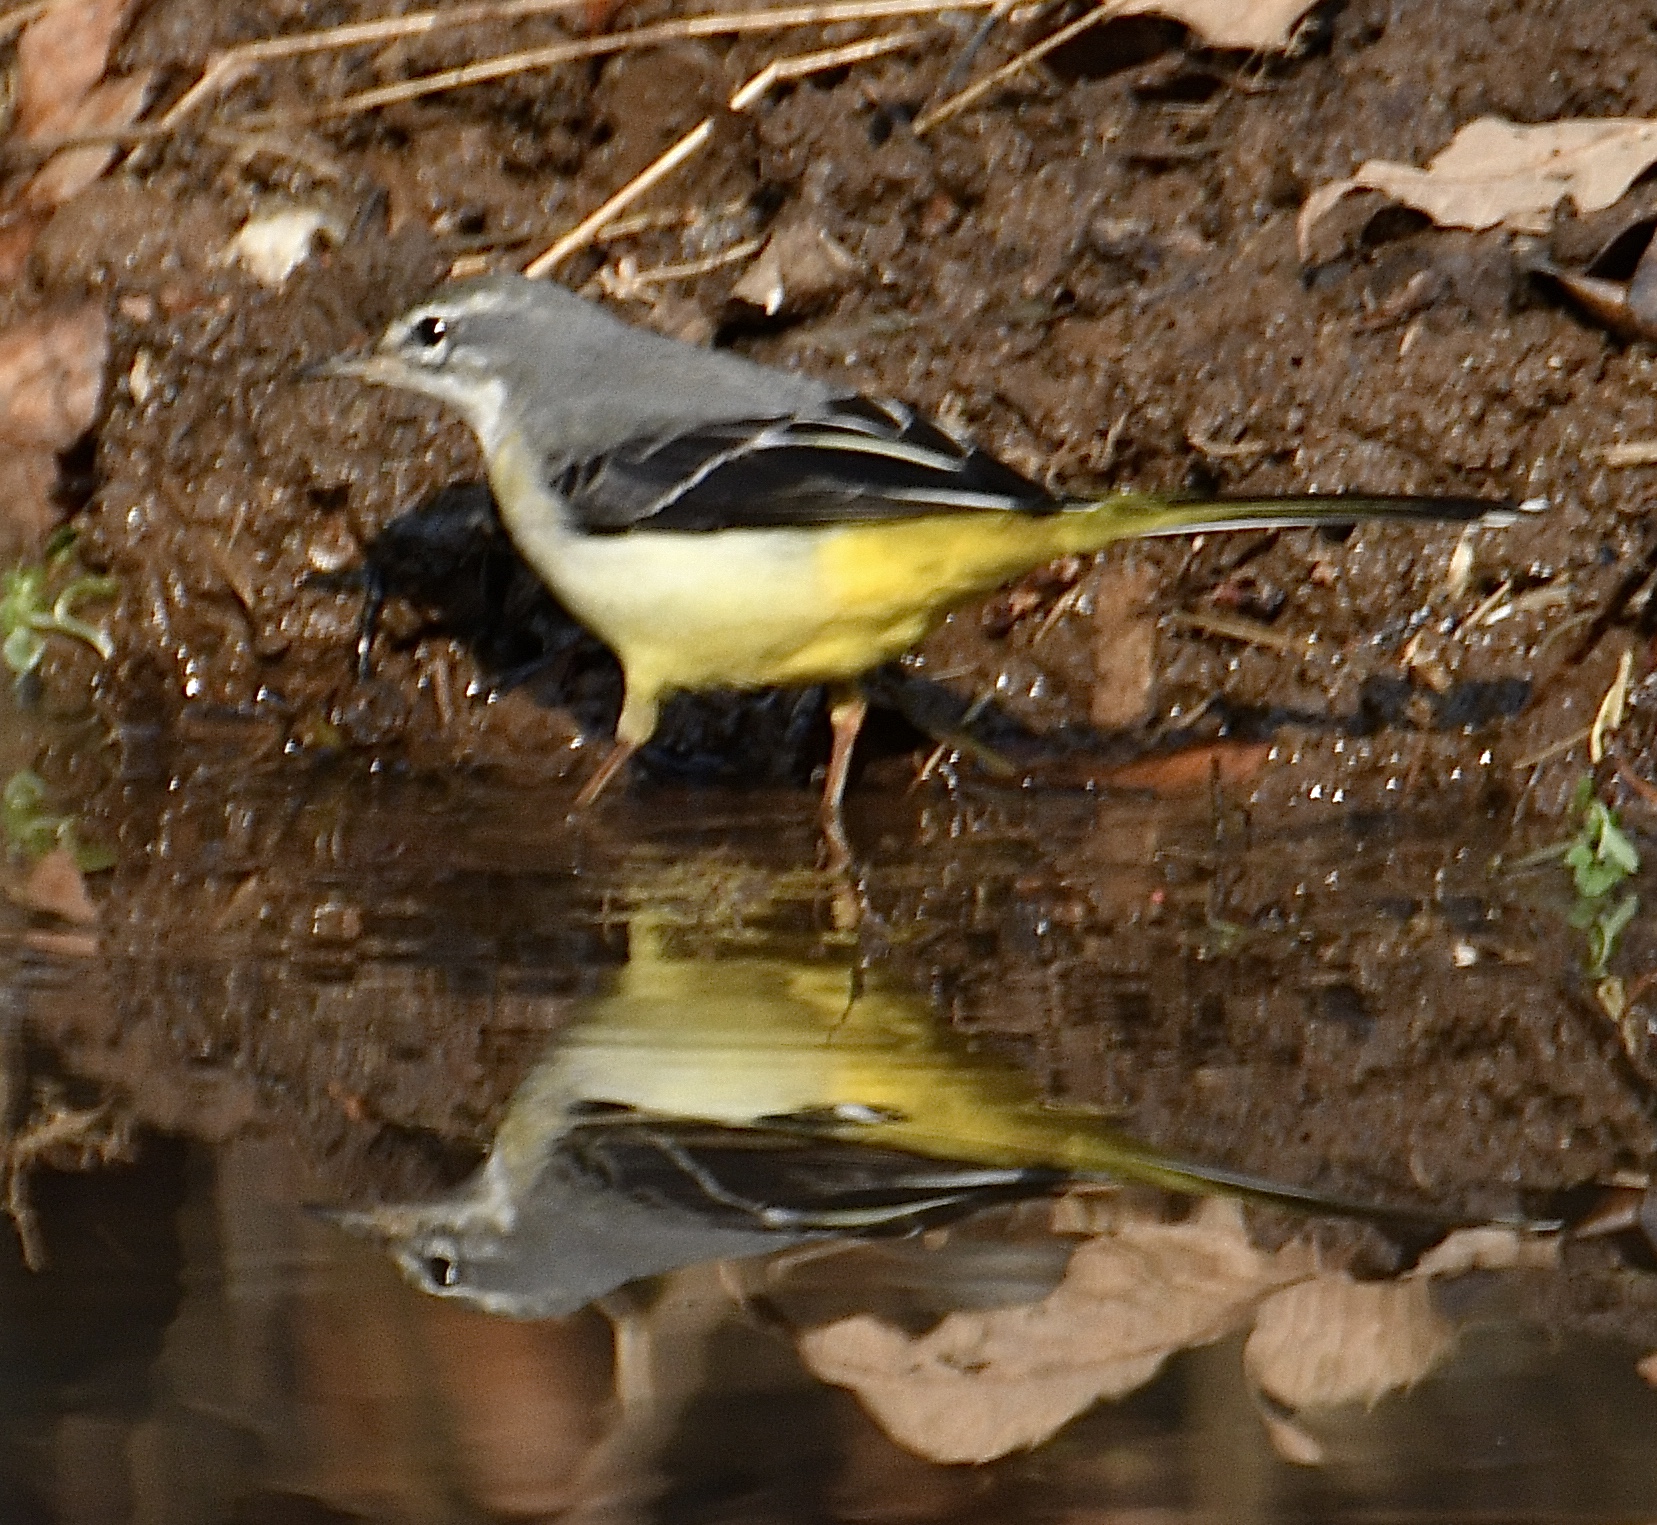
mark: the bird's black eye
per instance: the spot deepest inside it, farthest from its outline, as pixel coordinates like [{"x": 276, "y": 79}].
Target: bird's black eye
[
  {"x": 429, "y": 332},
  {"x": 442, "y": 1271}
]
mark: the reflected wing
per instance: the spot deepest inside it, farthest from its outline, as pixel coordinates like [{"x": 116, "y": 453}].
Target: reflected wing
[
  {"x": 758, "y": 1178},
  {"x": 859, "y": 461}
]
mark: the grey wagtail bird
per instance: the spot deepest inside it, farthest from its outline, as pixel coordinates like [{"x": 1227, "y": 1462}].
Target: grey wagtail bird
[
  {"x": 728, "y": 1106},
  {"x": 723, "y": 524}
]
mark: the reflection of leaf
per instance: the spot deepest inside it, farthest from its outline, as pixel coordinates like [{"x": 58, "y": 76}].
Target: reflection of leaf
[
  {"x": 1192, "y": 768},
  {"x": 1332, "y": 1340},
  {"x": 1488, "y": 1248},
  {"x": 1498, "y": 173},
  {"x": 27, "y": 618},
  {"x": 34, "y": 831},
  {"x": 982, "y": 1384}
]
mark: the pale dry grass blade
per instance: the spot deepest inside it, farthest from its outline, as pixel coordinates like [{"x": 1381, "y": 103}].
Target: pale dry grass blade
[
  {"x": 582, "y": 233},
  {"x": 528, "y": 60},
  {"x": 230, "y": 65},
  {"x": 774, "y": 73}
]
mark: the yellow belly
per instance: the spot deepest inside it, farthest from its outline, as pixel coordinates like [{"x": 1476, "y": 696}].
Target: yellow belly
[{"x": 742, "y": 608}]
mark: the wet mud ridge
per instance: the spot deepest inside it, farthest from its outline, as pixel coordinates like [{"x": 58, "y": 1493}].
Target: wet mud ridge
[{"x": 1315, "y": 853}]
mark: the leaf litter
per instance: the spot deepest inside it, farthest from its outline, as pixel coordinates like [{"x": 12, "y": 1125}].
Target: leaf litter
[
  {"x": 982, "y": 1384},
  {"x": 1496, "y": 173},
  {"x": 62, "y": 57},
  {"x": 51, "y": 384}
]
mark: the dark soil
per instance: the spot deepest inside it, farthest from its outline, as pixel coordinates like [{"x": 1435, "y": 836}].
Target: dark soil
[{"x": 1306, "y": 969}]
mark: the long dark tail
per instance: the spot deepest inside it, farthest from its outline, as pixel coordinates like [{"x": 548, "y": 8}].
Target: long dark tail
[{"x": 1093, "y": 523}]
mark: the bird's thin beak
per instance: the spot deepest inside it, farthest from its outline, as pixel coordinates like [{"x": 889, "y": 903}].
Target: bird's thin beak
[
  {"x": 356, "y": 365},
  {"x": 382, "y": 1224}
]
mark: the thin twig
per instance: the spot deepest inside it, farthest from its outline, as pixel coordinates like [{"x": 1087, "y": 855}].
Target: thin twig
[
  {"x": 684, "y": 270},
  {"x": 582, "y": 233},
  {"x": 585, "y": 231},
  {"x": 942, "y": 112},
  {"x": 1488, "y": 606},
  {"x": 780, "y": 71},
  {"x": 650, "y": 222},
  {"x": 1555, "y": 748},
  {"x": 1234, "y": 627},
  {"x": 718, "y": 25},
  {"x": 229, "y": 65}
]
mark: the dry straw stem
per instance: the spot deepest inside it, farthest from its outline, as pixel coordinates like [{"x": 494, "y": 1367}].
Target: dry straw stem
[
  {"x": 774, "y": 73},
  {"x": 685, "y": 270},
  {"x": 231, "y": 64},
  {"x": 944, "y": 110},
  {"x": 713, "y": 25},
  {"x": 583, "y": 232}
]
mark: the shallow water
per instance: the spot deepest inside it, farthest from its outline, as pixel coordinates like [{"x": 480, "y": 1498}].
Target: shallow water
[
  {"x": 311, "y": 987},
  {"x": 200, "y": 1350}
]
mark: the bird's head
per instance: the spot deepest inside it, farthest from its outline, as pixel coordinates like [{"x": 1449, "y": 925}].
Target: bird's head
[{"x": 476, "y": 345}]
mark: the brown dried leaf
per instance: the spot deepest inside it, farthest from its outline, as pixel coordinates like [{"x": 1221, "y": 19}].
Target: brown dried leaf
[
  {"x": 1499, "y": 173},
  {"x": 112, "y": 106},
  {"x": 57, "y": 887},
  {"x": 982, "y": 1384},
  {"x": 1258, "y": 25},
  {"x": 1333, "y": 1340},
  {"x": 51, "y": 377},
  {"x": 799, "y": 268},
  {"x": 60, "y": 58},
  {"x": 1191, "y": 768}
]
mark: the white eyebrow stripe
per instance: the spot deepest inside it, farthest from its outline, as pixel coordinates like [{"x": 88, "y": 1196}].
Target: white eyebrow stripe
[{"x": 473, "y": 301}]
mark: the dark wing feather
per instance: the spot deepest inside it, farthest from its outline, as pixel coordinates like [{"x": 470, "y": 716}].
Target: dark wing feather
[
  {"x": 857, "y": 462},
  {"x": 764, "y": 1178}
]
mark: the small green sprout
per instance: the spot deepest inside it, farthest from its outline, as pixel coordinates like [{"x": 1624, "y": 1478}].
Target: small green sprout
[
  {"x": 35, "y": 603},
  {"x": 1604, "y": 924},
  {"x": 1600, "y": 857},
  {"x": 34, "y": 831}
]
